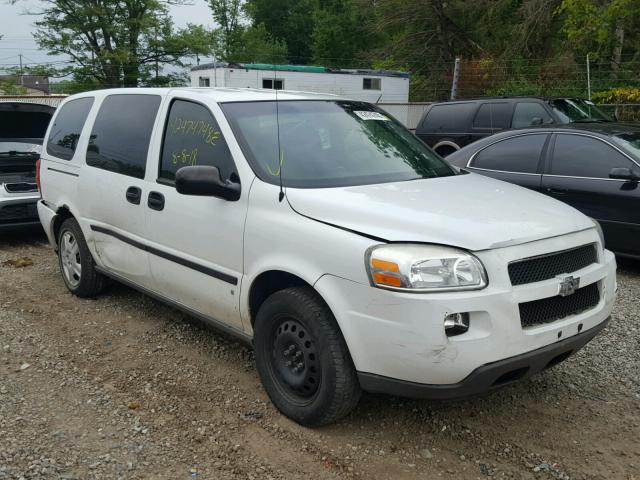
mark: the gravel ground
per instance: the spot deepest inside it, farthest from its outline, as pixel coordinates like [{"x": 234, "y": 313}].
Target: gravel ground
[{"x": 125, "y": 387}]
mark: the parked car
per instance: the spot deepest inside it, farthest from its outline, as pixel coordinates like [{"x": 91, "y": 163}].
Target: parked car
[
  {"x": 592, "y": 167},
  {"x": 449, "y": 126},
  {"x": 325, "y": 234},
  {"x": 22, "y": 128}
]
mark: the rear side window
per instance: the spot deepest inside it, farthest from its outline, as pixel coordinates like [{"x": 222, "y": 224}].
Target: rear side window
[
  {"x": 66, "y": 129},
  {"x": 119, "y": 141},
  {"x": 192, "y": 137},
  {"x": 580, "y": 156},
  {"x": 448, "y": 118},
  {"x": 495, "y": 116},
  {"x": 529, "y": 113},
  {"x": 517, "y": 154}
]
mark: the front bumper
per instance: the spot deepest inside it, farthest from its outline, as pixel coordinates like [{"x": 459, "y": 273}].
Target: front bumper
[
  {"x": 487, "y": 377},
  {"x": 401, "y": 335}
]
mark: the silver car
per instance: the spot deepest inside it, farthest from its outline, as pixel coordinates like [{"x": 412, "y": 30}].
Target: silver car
[{"x": 22, "y": 128}]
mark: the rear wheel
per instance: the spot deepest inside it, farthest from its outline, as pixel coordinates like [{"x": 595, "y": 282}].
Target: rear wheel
[
  {"x": 302, "y": 359},
  {"x": 76, "y": 263},
  {"x": 445, "y": 150}
]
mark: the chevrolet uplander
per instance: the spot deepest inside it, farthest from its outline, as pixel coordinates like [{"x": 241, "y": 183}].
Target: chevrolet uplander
[{"x": 326, "y": 235}]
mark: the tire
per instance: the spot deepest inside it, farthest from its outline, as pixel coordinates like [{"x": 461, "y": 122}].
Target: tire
[
  {"x": 319, "y": 385},
  {"x": 76, "y": 263},
  {"x": 446, "y": 150}
]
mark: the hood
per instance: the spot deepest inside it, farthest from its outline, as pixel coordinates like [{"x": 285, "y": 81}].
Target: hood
[{"x": 467, "y": 211}]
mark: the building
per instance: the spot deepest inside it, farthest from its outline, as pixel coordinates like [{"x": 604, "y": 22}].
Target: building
[
  {"x": 24, "y": 85},
  {"x": 376, "y": 86}
]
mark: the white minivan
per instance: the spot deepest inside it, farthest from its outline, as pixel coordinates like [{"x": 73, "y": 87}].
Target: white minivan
[{"x": 325, "y": 234}]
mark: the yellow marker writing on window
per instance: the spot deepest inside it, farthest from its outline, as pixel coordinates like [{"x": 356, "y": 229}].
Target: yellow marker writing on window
[{"x": 277, "y": 173}]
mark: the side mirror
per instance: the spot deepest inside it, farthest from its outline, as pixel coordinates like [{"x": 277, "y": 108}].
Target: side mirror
[
  {"x": 205, "y": 181},
  {"x": 624, "y": 174},
  {"x": 535, "y": 121}
]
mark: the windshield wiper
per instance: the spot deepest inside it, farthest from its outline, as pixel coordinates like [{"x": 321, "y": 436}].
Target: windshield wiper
[{"x": 591, "y": 120}]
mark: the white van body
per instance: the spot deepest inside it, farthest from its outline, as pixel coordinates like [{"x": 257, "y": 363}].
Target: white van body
[{"x": 218, "y": 259}]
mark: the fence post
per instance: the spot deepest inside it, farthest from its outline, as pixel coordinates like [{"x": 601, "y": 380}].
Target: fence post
[
  {"x": 456, "y": 76},
  {"x": 588, "y": 79}
]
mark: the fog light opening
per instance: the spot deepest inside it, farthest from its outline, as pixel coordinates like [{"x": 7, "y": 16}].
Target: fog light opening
[{"x": 456, "y": 324}]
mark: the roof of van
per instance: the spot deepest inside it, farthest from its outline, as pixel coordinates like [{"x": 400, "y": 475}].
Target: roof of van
[{"x": 220, "y": 94}]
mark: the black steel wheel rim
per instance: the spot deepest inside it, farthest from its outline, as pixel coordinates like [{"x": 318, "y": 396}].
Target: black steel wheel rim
[{"x": 295, "y": 361}]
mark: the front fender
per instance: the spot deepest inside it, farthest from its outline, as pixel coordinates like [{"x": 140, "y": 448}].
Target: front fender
[{"x": 277, "y": 238}]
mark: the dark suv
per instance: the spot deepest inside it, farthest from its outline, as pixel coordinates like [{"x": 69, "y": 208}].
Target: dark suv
[{"x": 449, "y": 126}]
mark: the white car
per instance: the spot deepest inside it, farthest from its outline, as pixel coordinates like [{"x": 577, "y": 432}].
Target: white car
[
  {"x": 325, "y": 234},
  {"x": 22, "y": 128}
]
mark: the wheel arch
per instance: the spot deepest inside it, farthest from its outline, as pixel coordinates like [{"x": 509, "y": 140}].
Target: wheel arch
[
  {"x": 266, "y": 284},
  {"x": 62, "y": 213},
  {"x": 274, "y": 280},
  {"x": 446, "y": 144}
]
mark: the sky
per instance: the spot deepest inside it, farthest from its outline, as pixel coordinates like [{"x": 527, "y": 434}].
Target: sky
[{"x": 16, "y": 29}]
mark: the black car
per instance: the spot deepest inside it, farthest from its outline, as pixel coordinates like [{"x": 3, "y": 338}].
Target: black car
[
  {"x": 448, "y": 126},
  {"x": 593, "y": 167}
]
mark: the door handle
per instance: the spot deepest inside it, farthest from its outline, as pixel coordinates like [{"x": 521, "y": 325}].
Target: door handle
[
  {"x": 557, "y": 191},
  {"x": 155, "y": 201},
  {"x": 133, "y": 195}
]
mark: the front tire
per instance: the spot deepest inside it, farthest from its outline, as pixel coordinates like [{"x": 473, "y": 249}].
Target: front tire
[
  {"x": 302, "y": 358},
  {"x": 76, "y": 263}
]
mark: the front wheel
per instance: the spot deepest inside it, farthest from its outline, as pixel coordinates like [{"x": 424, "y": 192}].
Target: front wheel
[
  {"x": 302, "y": 358},
  {"x": 76, "y": 263}
]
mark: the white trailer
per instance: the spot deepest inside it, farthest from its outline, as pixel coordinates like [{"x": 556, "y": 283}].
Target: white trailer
[{"x": 375, "y": 86}]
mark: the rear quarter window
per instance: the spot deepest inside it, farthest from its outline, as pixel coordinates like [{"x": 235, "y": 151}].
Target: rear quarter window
[
  {"x": 448, "y": 117},
  {"x": 67, "y": 126},
  {"x": 494, "y": 116},
  {"x": 120, "y": 137}
]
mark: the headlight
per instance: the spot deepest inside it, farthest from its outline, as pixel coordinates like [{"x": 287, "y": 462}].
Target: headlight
[
  {"x": 424, "y": 268},
  {"x": 599, "y": 230}
]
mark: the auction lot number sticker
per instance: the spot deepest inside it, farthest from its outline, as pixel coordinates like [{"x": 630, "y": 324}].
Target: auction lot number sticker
[{"x": 366, "y": 115}]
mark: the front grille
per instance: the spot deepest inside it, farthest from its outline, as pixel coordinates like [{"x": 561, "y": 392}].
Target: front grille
[
  {"x": 547, "y": 310},
  {"x": 20, "y": 187},
  {"x": 550, "y": 265},
  {"x": 18, "y": 213}
]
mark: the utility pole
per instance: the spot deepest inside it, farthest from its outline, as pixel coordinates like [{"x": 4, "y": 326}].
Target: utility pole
[
  {"x": 156, "y": 52},
  {"x": 456, "y": 77},
  {"x": 21, "y": 72},
  {"x": 215, "y": 71}
]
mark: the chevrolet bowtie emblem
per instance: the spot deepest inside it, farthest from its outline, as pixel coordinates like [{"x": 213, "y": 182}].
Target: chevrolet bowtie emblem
[{"x": 568, "y": 285}]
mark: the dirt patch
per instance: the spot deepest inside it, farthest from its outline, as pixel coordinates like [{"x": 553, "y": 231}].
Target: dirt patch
[{"x": 125, "y": 387}]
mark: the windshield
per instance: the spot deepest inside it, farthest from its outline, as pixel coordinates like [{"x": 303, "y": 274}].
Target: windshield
[
  {"x": 329, "y": 144},
  {"x": 576, "y": 110},
  {"x": 19, "y": 147},
  {"x": 630, "y": 142}
]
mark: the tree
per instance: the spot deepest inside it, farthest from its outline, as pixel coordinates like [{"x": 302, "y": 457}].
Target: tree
[
  {"x": 227, "y": 14},
  {"x": 287, "y": 21},
  {"x": 606, "y": 29},
  {"x": 115, "y": 43},
  {"x": 340, "y": 35},
  {"x": 11, "y": 86},
  {"x": 258, "y": 46}
]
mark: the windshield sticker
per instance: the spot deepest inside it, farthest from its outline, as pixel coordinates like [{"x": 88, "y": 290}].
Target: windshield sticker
[
  {"x": 366, "y": 115},
  {"x": 325, "y": 138}
]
